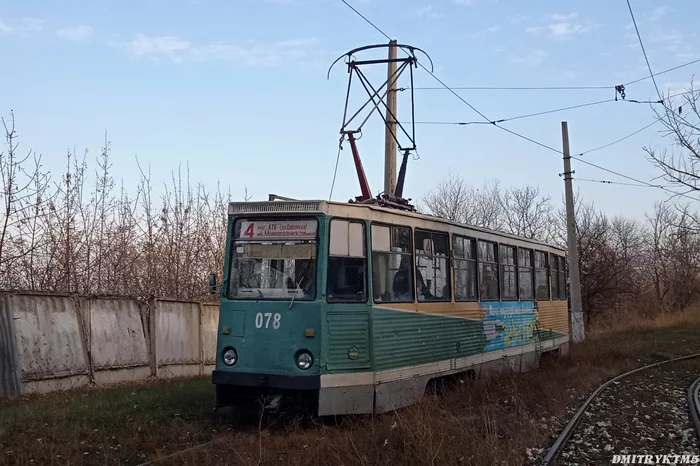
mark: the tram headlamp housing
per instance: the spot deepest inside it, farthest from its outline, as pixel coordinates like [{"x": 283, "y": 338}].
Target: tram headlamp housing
[
  {"x": 230, "y": 356},
  {"x": 304, "y": 360}
]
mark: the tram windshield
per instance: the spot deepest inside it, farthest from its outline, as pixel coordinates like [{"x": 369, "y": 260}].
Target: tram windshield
[{"x": 273, "y": 259}]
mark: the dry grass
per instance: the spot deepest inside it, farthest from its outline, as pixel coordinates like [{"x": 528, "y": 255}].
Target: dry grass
[
  {"x": 630, "y": 320},
  {"x": 478, "y": 422}
]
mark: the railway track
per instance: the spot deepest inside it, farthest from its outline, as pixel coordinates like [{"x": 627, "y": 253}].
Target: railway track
[
  {"x": 561, "y": 441},
  {"x": 694, "y": 404}
]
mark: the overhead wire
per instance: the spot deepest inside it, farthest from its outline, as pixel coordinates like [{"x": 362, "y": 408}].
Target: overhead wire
[
  {"x": 527, "y": 115},
  {"x": 619, "y": 140},
  {"x": 646, "y": 58},
  {"x": 555, "y": 88},
  {"x": 633, "y": 179},
  {"x": 533, "y": 141},
  {"x": 542, "y": 88},
  {"x": 465, "y": 123},
  {"x": 365, "y": 18},
  {"x": 546, "y": 112},
  {"x": 663, "y": 72},
  {"x": 604, "y": 146},
  {"x": 615, "y": 182}
]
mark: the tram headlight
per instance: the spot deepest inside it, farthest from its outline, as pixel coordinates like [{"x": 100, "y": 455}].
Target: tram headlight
[
  {"x": 304, "y": 360},
  {"x": 230, "y": 356}
]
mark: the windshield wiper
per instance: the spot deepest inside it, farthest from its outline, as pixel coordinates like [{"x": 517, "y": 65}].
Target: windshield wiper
[
  {"x": 296, "y": 291},
  {"x": 306, "y": 269}
]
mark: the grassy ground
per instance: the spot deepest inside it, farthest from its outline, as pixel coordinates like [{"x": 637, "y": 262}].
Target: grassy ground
[{"x": 483, "y": 422}]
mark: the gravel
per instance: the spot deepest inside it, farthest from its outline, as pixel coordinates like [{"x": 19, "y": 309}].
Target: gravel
[{"x": 644, "y": 414}]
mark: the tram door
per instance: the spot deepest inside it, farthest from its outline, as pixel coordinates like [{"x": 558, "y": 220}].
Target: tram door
[{"x": 347, "y": 345}]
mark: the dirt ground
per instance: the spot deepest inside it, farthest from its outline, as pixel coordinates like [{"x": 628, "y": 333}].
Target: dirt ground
[{"x": 505, "y": 420}]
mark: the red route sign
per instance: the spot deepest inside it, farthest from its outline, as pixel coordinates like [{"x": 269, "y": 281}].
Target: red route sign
[{"x": 302, "y": 229}]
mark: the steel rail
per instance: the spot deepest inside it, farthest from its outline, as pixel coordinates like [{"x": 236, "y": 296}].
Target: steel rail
[
  {"x": 694, "y": 405},
  {"x": 560, "y": 442}
]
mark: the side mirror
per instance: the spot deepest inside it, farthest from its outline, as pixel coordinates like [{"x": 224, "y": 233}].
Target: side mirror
[{"x": 212, "y": 283}]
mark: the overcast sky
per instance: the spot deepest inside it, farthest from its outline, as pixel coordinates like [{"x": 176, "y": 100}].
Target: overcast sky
[{"x": 238, "y": 88}]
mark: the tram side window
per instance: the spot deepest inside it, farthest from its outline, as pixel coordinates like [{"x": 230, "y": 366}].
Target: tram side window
[
  {"x": 508, "y": 273},
  {"x": 554, "y": 274},
  {"x": 562, "y": 277},
  {"x": 488, "y": 271},
  {"x": 464, "y": 250},
  {"x": 347, "y": 262},
  {"x": 392, "y": 264},
  {"x": 541, "y": 281},
  {"x": 525, "y": 274},
  {"x": 432, "y": 269}
]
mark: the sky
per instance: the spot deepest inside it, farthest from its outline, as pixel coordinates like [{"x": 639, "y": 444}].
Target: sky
[{"x": 238, "y": 90}]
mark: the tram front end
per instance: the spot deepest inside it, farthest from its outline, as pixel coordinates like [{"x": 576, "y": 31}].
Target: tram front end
[{"x": 268, "y": 339}]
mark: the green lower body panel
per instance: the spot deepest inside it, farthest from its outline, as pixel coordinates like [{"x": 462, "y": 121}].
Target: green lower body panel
[{"x": 406, "y": 338}]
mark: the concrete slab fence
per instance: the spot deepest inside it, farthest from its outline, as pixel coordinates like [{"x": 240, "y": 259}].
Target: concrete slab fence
[{"x": 50, "y": 342}]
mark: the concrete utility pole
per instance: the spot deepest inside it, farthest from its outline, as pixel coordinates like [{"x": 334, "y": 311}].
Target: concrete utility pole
[
  {"x": 574, "y": 277},
  {"x": 390, "y": 130}
]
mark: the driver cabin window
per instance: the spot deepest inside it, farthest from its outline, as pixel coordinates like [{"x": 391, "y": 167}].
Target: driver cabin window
[{"x": 347, "y": 262}]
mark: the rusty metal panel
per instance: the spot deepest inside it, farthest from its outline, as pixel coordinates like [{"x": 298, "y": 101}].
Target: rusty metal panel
[{"x": 10, "y": 378}]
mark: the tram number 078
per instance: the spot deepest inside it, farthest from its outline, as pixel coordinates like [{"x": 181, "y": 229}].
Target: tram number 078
[{"x": 261, "y": 319}]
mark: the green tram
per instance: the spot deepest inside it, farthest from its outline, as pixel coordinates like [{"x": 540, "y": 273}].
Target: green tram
[{"x": 353, "y": 308}]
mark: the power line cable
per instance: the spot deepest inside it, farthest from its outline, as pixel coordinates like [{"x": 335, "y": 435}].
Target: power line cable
[
  {"x": 632, "y": 179},
  {"x": 461, "y": 123},
  {"x": 546, "y": 112},
  {"x": 663, "y": 72},
  {"x": 466, "y": 123},
  {"x": 368, "y": 21},
  {"x": 543, "y": 88},
  {"x": 554, "y": 88},
  {"x": 528, "y": 115},
  {"x": 616, "y": 182},
  {"x": 619, "y": 140},
  {"x": 487, "y": 120},
  {"x": 641, "y": 43}
]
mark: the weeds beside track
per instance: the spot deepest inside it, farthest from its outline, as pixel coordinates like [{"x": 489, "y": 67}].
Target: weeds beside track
[{"x": 501, "y": 420}]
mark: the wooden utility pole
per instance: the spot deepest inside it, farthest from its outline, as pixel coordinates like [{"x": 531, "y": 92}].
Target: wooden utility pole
[
  {"x": 574, "y": 276},
  {"x": 390, "y": 130}
]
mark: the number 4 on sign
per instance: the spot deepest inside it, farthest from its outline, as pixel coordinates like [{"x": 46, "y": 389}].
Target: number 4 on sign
[{"x": 249, "y": 231}]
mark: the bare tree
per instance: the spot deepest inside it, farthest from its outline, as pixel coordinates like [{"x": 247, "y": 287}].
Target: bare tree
[
  {"x": 681, "y": 120},
  {"x": 452, "y": 199},
  {"x": 22, "y": 196},
  {"x": 527, "y": 213}
]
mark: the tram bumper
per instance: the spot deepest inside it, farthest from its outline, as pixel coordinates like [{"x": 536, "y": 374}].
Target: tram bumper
[{"x": 242, "y": 388}]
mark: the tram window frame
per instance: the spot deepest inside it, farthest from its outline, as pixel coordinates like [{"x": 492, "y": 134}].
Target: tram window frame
[
  {"x": 379, "y": 250},
  {"x": 529, "y": 269},
  {"x": 554, "y": 275},
  {"x": 471, "y": 265},
  {"x": 510, "y": 268},
  {"x": 421, "y": 234},
  {"x": 542, "y": 267},
  {"x": 562, "y": 278},
  {"x": 347, "y": 252},
  {"x": 483, "y": 264}
]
